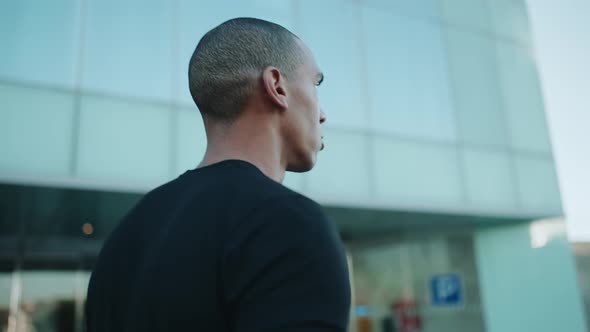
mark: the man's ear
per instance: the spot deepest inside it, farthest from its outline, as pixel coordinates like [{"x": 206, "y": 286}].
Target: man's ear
[{"x": 275, "y": 86}]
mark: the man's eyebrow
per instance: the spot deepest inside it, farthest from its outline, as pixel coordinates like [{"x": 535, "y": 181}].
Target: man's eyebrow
[{"x": 320, "y": 77}]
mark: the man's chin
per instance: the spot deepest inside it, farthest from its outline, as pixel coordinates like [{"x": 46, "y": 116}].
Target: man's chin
[
  {"x": 299, "y": 169},
  {"x": 302, "y": 166}
]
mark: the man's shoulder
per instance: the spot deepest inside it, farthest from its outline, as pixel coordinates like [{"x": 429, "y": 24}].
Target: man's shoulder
[
  {"x": 288, "y": 215},
  {"x": 294, "y": 202},
  {"x": 283, "y": 200}
]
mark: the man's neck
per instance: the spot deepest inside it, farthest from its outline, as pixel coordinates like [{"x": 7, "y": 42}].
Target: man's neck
[
  {"x": 267, "y": 168},
  {"x": 254, "y": 144}
]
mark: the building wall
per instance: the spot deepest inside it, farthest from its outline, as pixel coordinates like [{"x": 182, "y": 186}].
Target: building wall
[
  {"x": 528, "y": 279},
  {"x": 432, "y": 105}
]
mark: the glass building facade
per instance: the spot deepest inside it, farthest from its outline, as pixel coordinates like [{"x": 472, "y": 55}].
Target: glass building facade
[{"x": 438, "y": 159}]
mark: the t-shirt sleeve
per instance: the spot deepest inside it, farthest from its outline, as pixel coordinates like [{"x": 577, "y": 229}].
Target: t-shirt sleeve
[{"x": 284, "y": 269}]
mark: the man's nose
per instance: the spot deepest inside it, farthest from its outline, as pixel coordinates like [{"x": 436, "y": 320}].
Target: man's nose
[{"x": 322, "y": 116}]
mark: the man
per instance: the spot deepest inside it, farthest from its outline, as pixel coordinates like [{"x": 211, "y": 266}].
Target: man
[{"x": 226, "y": 247}]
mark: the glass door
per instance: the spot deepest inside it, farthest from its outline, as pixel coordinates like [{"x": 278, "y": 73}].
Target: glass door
[
  {"x": 43, "y": 300},
  {"x": 423, "y": 283}
]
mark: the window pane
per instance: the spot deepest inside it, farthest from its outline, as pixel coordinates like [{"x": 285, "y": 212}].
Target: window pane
[
  {"x": 339, "y": 58},
  {"x": 129, "y": 48},
  {"x": 537, "y": 181},
  {"x": 195, "y": 19},
  {"x": 192, "y": 141},
  {"x": 417, "y": 174},
  {"x": 408, "y": 79},
  {"x": 40, "y": 40},
  {"x": 124, "y": 142},
  {"x": 341, "y": 172},
  {"x": 523, "y": 99},
  {"x": 489, "y": 179},
  {"x": 476, "y": 88},
  {"x": 510, "y": 19},
  {"x": 35, "y": 131},
  {"x": 418, "y": 8},
  {"x": 467, "y": 13}
]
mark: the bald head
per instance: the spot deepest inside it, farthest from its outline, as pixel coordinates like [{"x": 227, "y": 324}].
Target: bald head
[{"x": 227, "y": 64}]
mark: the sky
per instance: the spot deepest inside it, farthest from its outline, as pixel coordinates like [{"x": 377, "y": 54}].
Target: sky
[{"x": 561, "y": 37}]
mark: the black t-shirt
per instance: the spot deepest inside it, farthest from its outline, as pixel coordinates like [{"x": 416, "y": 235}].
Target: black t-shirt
[{"x": 221, "y": 248}]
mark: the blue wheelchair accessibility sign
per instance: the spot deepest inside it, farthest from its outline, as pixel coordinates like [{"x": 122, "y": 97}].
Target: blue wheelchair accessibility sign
[{"x": 446, "y": 290}]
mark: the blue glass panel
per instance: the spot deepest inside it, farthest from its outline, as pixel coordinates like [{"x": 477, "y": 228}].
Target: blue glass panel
[
  {"x": 417, "y": 174},
  {"x": 469, "y": 14},
  {"x": 339, "y": 58},
  {"x": 476, "y": 88},
  {"x": 35, "y": 131},
  {"x": 510, "y": 19},
  {"x": 416, "y": 8},
  {"x": 124, "y": 142},
  {"x": 40, "y": 41},
  {"x": 408, "y": 80},
  {"x": 538, "y": 185},
  {"x": 523, "y": 99},
  {"x": 341, "y": 171},
  {"x": 489, "y": 178},
  {"x": 128, "y": 48}
]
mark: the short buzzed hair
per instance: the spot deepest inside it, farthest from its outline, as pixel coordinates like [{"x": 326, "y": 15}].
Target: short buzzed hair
[{"x": 228, "y": 62}]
